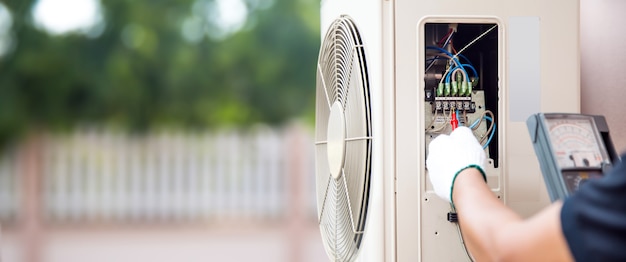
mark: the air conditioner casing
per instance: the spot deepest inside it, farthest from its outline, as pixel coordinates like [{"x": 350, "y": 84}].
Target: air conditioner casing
[{"x": 403, "y": 220}]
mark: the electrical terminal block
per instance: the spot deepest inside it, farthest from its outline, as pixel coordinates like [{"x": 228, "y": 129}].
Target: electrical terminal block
[
  {"x": 438, "y": 106},
  {"x": 446, "y": 106},
  {"x": 461, "y": 103},
  {"x": 467, "y": 106}
]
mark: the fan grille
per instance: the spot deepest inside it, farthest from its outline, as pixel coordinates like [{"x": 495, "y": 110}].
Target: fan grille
[{"x": 342, "y": 199}]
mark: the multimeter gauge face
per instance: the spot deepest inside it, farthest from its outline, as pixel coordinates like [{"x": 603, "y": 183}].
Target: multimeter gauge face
[{"x": 575, "y": 142}]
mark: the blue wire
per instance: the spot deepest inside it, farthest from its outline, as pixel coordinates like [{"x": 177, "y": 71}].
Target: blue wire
[
  {"x": 452, "y": 70},
  {"x": 493, "y": 131},
  {"x": 432, "y": 60},
  {"x": 436, "y": 58},
  {"x": 474, "y": 124},
  {"x": 464, "y": 57},
  {"x": 450, "y": 73},
  {"x": 456, "y": 61},
  {"x": 457, "y": 118},
  {"x": 471, "y": 67}
]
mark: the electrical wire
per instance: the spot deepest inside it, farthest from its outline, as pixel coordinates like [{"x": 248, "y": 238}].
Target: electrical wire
[
  {"x": 463, "y": 66},
  {"x": 432, "y": 61},
  {"x": 460, "y": 233},
  {"x": 491, "y": 127},
  {"x": 447, "y": 74},
  {"x": 464, "y": 58},
  {"x": 442, "y": 126},
  {"x": 475, "y": 39},
  {"x": 448, "y": 40},
  {"x": 487, "y": 115},
  {"x": 471, "y": 67},
  {"x": 493, "y": 131},
  {"x": 483, "y": 137},
  {"x": 456, "y": 69},
  {"x": 476, "y": 123},
  {"x": 464, "y": 116},
  {"x": 439, "y": 128},
  {"x": 433, "y": 120},
  {"x": 454, "y": 57},
  {"x": 449, "y": 37},
  {"x": 438, "y": 58},
  {"x": 441, "y": 50}
]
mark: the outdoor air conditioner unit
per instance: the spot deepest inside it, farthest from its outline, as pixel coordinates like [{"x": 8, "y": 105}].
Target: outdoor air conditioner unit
[{"x": 390, "y": 75}]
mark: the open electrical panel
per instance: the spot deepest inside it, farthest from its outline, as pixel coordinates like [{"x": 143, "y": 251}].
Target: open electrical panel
[
  {"x": 462, "y": 68},
  {"x": 461, "y": 81}
]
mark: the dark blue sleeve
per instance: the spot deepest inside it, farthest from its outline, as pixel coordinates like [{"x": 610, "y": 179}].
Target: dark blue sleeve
[{"x": 594, "y": 218}]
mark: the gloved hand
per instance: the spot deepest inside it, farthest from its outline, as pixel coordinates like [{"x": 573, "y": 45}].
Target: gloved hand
[{"x": 449, "y": 155}]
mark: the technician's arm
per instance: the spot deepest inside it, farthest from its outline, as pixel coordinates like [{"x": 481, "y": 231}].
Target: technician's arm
[{"x": 493, "y": 232}]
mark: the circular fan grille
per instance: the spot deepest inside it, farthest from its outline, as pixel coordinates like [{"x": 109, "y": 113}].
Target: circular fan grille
[{"x": 343, "y": 140}]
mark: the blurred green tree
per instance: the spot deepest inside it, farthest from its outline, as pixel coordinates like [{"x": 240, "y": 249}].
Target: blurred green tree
[{"x": 161, "y": 63}]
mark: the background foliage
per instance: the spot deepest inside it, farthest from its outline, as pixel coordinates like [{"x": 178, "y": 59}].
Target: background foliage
[{"x": 140, "y": 71}]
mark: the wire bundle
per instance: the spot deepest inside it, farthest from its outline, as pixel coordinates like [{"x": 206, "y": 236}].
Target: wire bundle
[
  {"x": 456, "y": 81},
  {"x": 449, "y": 84}
]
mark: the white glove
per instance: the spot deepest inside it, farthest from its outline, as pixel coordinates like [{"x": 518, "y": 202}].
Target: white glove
[{"x": 449, "y": 155}]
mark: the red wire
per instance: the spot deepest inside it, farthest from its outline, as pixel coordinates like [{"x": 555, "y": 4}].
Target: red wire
[{"x": 444, "y": 37}]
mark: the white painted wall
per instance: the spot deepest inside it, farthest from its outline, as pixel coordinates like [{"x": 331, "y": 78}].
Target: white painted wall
[{"x": 603, "y": 64}]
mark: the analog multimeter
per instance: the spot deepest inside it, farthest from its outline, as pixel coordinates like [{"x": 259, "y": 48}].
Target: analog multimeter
[{"x": 571, "y": 149}]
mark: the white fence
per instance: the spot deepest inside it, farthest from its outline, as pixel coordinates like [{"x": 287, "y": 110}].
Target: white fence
[
  {"x": 9, "y": 187},
  {"x": 104, "y": 176}
]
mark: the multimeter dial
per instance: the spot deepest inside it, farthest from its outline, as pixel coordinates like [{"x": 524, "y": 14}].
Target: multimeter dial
[
  {"x": 576, "y": 143},
  {"x": 571, "y": 148}
]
